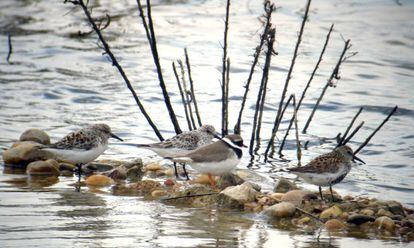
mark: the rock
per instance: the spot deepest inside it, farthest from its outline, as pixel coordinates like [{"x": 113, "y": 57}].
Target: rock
[
  {"x": 134, "y": 163},
  {"x": 385, "y": 223},
  {"x": 66, "y": 173},
  {"x": 99, "y": 181},
  {"x": 201, "y": 179},
  {"x": 277, "y": 196},
  {"x": 169, "y": 172},
  {"x": 297, "y": 196},
  {"x": 147, "y": 186},
  {"x": 102, "y": 167},
  {"x": 152, "y": 167},
  {"x": 383, "y": 212},
  {"x": 284, "y": 185},
  {"x": 332, "y": 212},
  {"x": 396, "y": 208},
  {"x": 25, "y": 152},
  {"x": 359, "y": 219},
  {"x": 169, "y": 182},
  {"x": 67, "y": 167},
  {"x": 134, "y": 174},
  {"x": 118, "y": 173},
  {"x": 268, "y": 201},
  {"x": 228, "y": 180},
  {"x": 43, "y": 168},
  {"x": 367, "y": 211},
  {"x": 304, "y": 221},
  {"x": 35, "y": 135},
  {"x": 237, "y": 195},
  {"x": 281, "y": 210},
  {"x": 334, "y": 225},
  {"x": 200, "y": 201},
  {"x": 158, "y": 193}
]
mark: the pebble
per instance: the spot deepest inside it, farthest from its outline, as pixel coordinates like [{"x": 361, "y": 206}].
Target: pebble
[
  {"x": 334, "y": 225},
  {"x": 396, "y": 208},
  {"x": 277, "y": 196},
  {"x": 385, "y": 223},
  {"x": 35, "y": 135},
  {"x": 43, "y": 168},
  {"x": 297, "y": 196},
  {"x": 25, "y": 152},
  {"x": 99, "y": 181},
  {"x": 383, "y": 212},
  {"x": 284, "y": 185},
  {"x": 367, "y": 211},
  {"x": 201, "y": 179},
  {"x": 169, "y": 182},
  {"x": 242, "y": 193},
  {"x": 66, "y": 167},
  {"x": 359, "y": 219},
  {"x": 281, "y": 210},
  {"x": 158, "y": 193},
  {"x": 332, "y": 212},
  {"x": 152, "y": 167}
]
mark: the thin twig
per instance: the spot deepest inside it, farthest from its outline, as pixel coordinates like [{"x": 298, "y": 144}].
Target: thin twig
[
  {"x": 334, "y": 75},
  {"x": 341, "y": 141},
  {"x": 188, "y": 196},
  {"x": 269, "y": 8},
  {"x": 353, "y": 133},
  {"x": 190, "y": 110},
  {"x": 153, "y": 44},
  {"x": 182, "y": 96},
  {"x": 376, "y": 130},
  {"x": 224, "y": 107},
  {"x": 118, "y": 66},
  {"x": 288, "y": 77},
  {"x": 298, "y": 145},
  {"x": 226, "y": 97},
  {"x": 190, "y": 78},
  {"x": 10, "y": 48},
  {"x": 282, "y": 144},
  {"x": 262, "y": 91}
]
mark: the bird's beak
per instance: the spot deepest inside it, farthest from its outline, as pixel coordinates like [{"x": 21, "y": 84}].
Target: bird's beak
[
  {"x": 358, "y": 159},
  {"x": 245, "y": 146},
  {"x": 217, "y": 135},
  {"x": 116, "y": 137}
]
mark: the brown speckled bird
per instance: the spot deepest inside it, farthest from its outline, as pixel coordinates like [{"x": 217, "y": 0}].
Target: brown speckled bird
[{"x": 327, "y": 169}]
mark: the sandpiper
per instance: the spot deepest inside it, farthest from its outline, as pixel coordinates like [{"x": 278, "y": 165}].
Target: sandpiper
[
  {"x": 82, "y": 146},
  {"x": 327, "y": 169},
  {"x": 217, "y": 158},
  {"x": 182, "y": 143}
]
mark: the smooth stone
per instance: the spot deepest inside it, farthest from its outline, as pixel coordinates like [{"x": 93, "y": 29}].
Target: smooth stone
[
  {"x": 304, "y": 220},
  {"x": 208, "y": 200},
  {"x": 67, "y": 167},
  {"x": 158, "y": 193},
  {"x": 266, "y": 200},
  {"x": 334, "y": 225},
  {"x": 169, "y": 172},
  {"x": 201, "y": 179},
  {"x": 169, "y": 182},
  {"x": 25, "y": 152},
  {"x": 43, "y": 168},
  {"x": 118, "y": 173},
  {"x": 99, "y": 181},
  {"x": 134, "y": 174},
  {"x": 359, "y": 219},
  {"x": 284, "y": 185},
  {"x": 228, "y": 180},
  {"x": 242, "y": 193},
  {"x": 277, "y": 196},
  {"x": 152, "y": 167},
  {"x": 66, "y": 173},
  {"x": 396, "y": 208},
  {"x": 297, "y": 196},
  {"x": 332, "y": 212},
  {"x": 367, "y": 211},
  {"x": 383, "y": 212},
  {"x": 134, "y": 163},
  {"x": 35, "y": 135},
  {"x": 281, "y": 210},
  {"x": 385, "y": 223}
]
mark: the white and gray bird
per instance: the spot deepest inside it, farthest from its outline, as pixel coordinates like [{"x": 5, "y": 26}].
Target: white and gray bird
[
  {"x": 217, "y": 158},
  {"x": 82, "y": 146},
  {"x": 182, "y": 143}
]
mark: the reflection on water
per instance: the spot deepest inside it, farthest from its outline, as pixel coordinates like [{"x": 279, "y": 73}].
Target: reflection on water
[{"x": 59, "y": 81}]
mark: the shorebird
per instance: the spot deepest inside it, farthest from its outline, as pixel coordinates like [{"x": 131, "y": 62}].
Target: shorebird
[
  {"x": 327, "y": 169},
  {"x": 182, "y": 143},
  {"x": 82, "y": 146},
  {"x": 217, "y": 158}
]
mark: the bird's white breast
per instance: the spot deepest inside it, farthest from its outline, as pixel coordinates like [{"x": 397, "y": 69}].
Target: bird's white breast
[{"x": 78, "y": 156}]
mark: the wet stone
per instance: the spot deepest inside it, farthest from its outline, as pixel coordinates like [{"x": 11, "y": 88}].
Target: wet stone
[
  {"x": 43, "y": 168},
  {"x": 383, "y": 212},
  {"x": 396, "y": 208},
  {"x": 385, "y": 223},
  {"x": 236, "y": 196},
  {"x": 332, "y": 212},
  {"x": 99, "y": 181},
  {"x": 334, "y": 225},
  {"x": 35, "y": 135},
  {"x": 359, "y": 219},
  {"x": 67, "y": 167},
  {"x": 228, "y": 180},
  {"x": 25, "y": 152},
  {"x": 296, "y": 197},
  {"x": 284, "y": 185},
  {"x": 280, "y": 210},
  {"x": 134, "y": 174}
]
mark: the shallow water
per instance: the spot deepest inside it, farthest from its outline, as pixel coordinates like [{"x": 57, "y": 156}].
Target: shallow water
[{"x": 59, "y": 82}]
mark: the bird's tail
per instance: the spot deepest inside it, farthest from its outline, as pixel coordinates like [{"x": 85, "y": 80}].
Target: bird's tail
[{"x": 179, "y": 159}]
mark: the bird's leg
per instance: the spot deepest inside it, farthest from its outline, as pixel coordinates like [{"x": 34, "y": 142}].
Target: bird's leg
[
  {"x": 79, "y": 171},
  {"x": 185, "y": 172},
  {"x": 330, "y": 189},
  {"x": 320, "y": 192},
  {"x": 212, "y": 181},
  {"x": 175, "y": 169}
]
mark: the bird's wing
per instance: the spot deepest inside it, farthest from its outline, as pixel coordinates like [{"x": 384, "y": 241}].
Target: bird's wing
[
  {"x": 320, "y": 164},
  {"x": 207, "y": 154},
  {"x": 75, "y": 140},
  {"x": 185, "y": 141}
]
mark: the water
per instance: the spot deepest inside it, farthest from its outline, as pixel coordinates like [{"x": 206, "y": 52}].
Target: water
[{"x": 59, "y": 82}]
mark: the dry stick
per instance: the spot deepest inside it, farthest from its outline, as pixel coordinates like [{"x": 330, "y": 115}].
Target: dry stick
[
  {"x": 263, "y": 88},
  {"x": 190, "y": 78},
  {"x": 10, "y": 48},
  {"x": 306, "y": 213},
  {"x": 226, "y": 99},
  {"x": 224, "y": 107},
  {"x": 190, "y": 110},
  {"x": 188, "y": 196},
  {"x": 341, "y": 141},
  {"x": 353, "y": 133},
  {"x": 376, "y": 130},
  {"x": 269, "y": 10},
  {"x": 306, "y": 89},
  {"x": 182, "y": 96},
  {"x": 149, "y": 29},
  {"x": 118, "y": 66},
  {"x": 288, "y": 77},
  {"x": 334, "y": 75},
  {"x": 287, "y": 131},
  {"x": 298, "y": 145}
]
